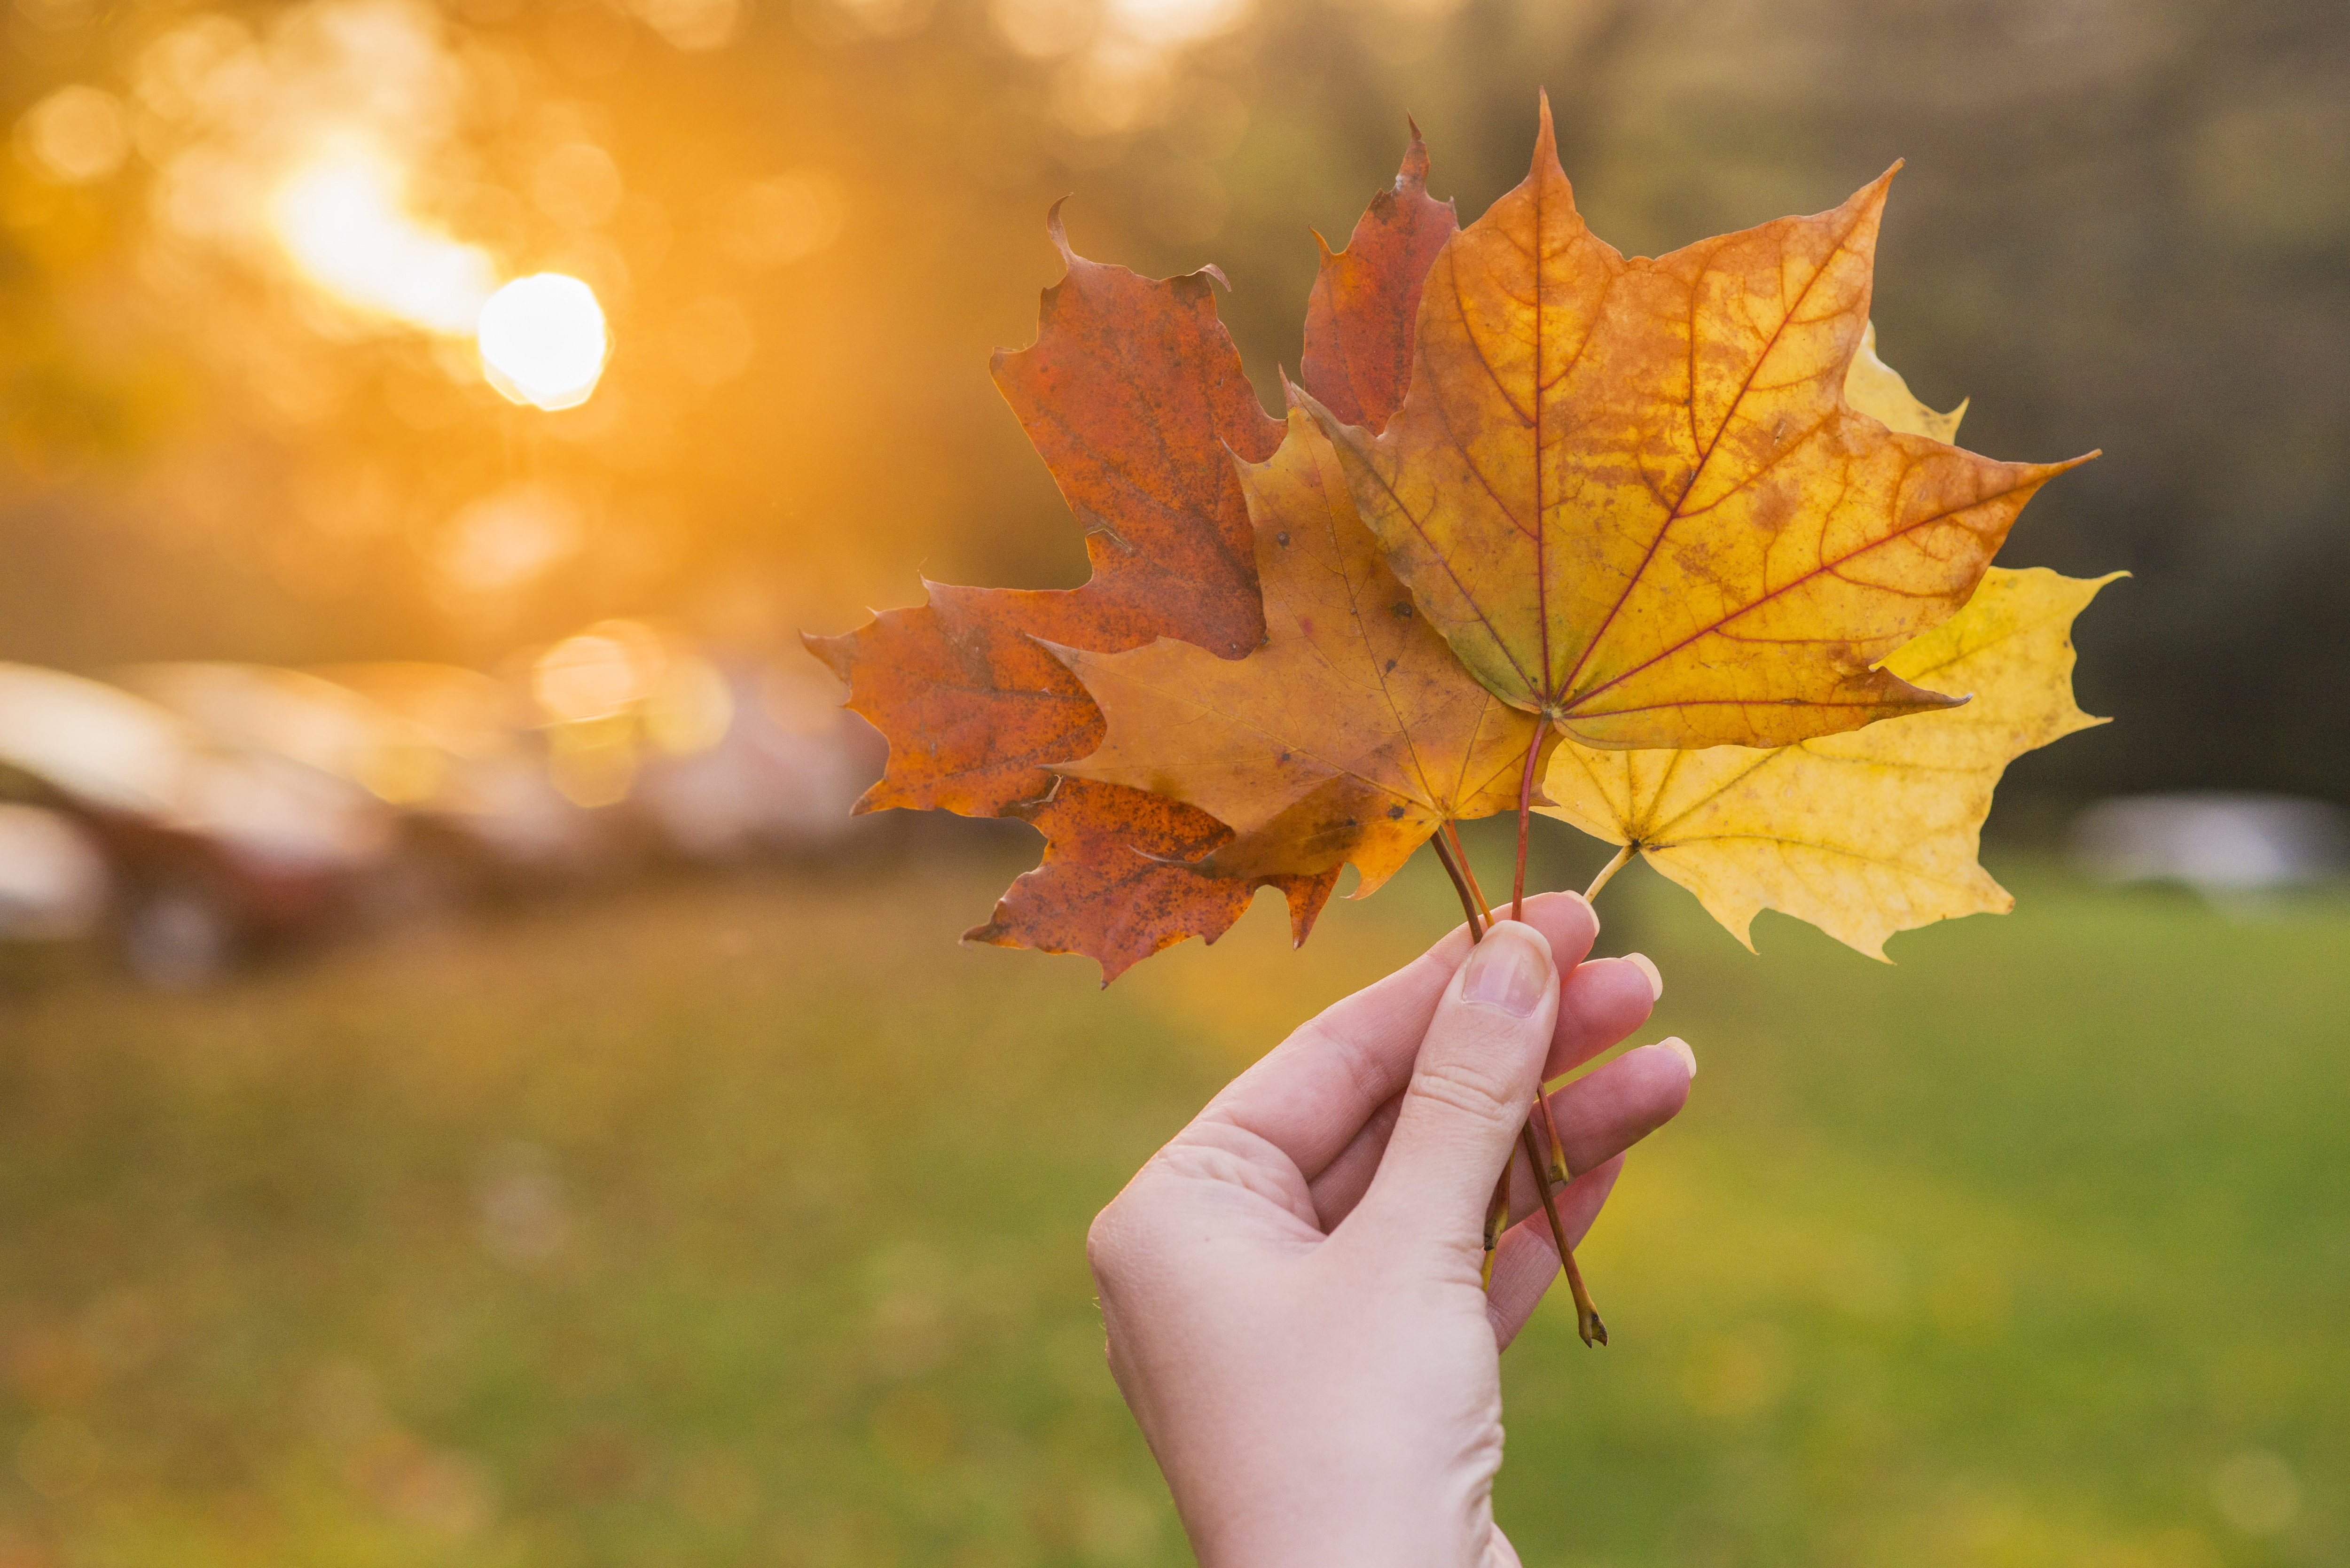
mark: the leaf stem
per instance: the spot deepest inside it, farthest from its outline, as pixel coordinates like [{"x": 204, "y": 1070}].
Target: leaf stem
[
  {"x": 1525, "y": 817},
  {"x": 1587, "y": 1316},
  {"x": 1608, "y": 872},
  {"x": 1558, "y": 1170},
  {"x": 1497, "y": 1220},
  {"x": 1460, "y": 885},
  {"x": 1469, "y": 871}
]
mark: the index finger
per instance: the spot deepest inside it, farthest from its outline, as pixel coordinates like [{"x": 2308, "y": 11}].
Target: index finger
[{"x": 1311, "y": 1095}]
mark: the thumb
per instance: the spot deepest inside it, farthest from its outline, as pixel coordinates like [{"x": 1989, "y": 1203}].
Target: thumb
[{"x": 1470, "y": 1092}]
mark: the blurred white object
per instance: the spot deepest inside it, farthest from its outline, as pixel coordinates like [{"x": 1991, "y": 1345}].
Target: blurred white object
[
  {"x": 329, "y": 728},
  {"x": 2216, "y": 843},
  {"x": 490, "y": 774},
  {"x": 209, "y": 840},
  {"x": 53, "y": 877},
  {"x": 94, "y": 743},
  {"x": 292, "y": 774},
  {"x": 778, "y": 767}
]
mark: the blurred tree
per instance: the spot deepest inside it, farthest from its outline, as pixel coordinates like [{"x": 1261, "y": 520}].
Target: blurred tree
[{"x": 809, "y": 223}]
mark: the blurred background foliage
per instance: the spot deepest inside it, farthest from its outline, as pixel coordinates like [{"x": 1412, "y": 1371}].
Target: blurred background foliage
[
  {"x": 2124, "y": 226},
  {"x": 737, "y": 1224}
]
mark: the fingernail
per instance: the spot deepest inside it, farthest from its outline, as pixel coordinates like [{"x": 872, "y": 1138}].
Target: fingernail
[
  {"x": 1586, "y": 904},
  {"x": 1507, "y": 974},
  {"x": 1680, "y": 1047},
  {"x": 1646, "y": 966}
]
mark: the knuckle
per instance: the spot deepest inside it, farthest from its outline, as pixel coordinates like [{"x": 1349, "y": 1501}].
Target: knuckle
[
  {"x": 1110, "y": 1243},
  {"x": 1202, "y": 1157},
  {"x": 1362, "y": 1066},
  {"x": 1467, "y": 1089}
]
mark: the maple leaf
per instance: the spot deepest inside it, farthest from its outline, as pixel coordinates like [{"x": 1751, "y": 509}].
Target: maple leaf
[
  {"x": 1134, "y": 396},
  {"x": 1120, "y": 880},
  {"x": 1132, "y": 393},
  {"x": 1359, "y": 318},
  {"x": 1877, "y": 388},
  {"x": 1352, "y": 734},
  {"x": 1632, "y": 495},
  {"x": 1871, "y": 831}
]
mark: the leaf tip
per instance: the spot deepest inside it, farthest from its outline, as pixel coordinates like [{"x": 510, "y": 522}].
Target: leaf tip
[
  {"x": 839, "y": 653},
  {"x": 1413, "y": 175},
  {"x": 1545, "y": 136},
  {"x": 1331, "y": 424},
  {"x": 1059, "y": 232}
]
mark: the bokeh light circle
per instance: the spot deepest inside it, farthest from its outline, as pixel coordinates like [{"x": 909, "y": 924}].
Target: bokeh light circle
[{"x": 543, "y": 341}]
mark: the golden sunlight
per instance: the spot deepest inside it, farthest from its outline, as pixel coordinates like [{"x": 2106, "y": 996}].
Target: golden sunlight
[
  {"x": 342, "y": 221},
  {"x": 543, "y": 341}
]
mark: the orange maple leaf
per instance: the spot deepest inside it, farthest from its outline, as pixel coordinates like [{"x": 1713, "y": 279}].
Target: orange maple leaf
[
  {"x": 1630, "y": 492},
  {"x": 1350, "y": 736}
]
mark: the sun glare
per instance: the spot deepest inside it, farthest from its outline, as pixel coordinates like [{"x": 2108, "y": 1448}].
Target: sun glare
[
  {"x": 543, "y": 341},
  {"x": 342, "y": 221}
]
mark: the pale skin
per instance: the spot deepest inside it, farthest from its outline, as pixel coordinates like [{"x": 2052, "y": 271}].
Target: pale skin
[{"x": 1291, "y": 1286}]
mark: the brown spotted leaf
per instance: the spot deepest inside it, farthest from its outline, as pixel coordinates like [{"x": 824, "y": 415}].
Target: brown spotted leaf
[
  {"x": 1133, "y": 394},
  {"x": 1119, "y": 880}
]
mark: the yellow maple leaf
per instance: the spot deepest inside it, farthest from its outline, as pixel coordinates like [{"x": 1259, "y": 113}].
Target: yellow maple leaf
[
  {"x": 1877, "y": 388},
  {"x": 1631, "y": 492},
  {"x": 1351, "y": 735},
  {"x": 1869, "y": 832}
]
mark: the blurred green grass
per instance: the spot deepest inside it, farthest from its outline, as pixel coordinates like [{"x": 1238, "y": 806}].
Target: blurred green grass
[{"x": 741, "y": 1223}]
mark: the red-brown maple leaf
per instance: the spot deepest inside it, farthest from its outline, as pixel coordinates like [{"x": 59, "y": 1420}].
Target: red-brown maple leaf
[
  {"x": 1134, "y": 396},
  {"x": 1358, "y": 320}
]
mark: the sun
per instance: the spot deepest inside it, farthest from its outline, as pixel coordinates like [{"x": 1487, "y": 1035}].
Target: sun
[{"x": 544, "y": 341}]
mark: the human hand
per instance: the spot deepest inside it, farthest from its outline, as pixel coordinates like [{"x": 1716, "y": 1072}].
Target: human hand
[{"x": 1291, "y": 1286}]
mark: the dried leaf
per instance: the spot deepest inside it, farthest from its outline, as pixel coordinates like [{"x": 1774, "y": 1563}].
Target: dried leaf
[
  {"x": 1869, "y": 832},
  {"x": 1358, "y": 320},
  {"x": 1119, "y": 880},
  {"x": 1134, "y": 396},
  {"x": 1132, "y": 393},
  {"x": 1631, "y": 492},
  {"x": 1675, "y": 500},
  {"x": 975, "y": 709},
  {"x": 1351, "y": 735}
]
